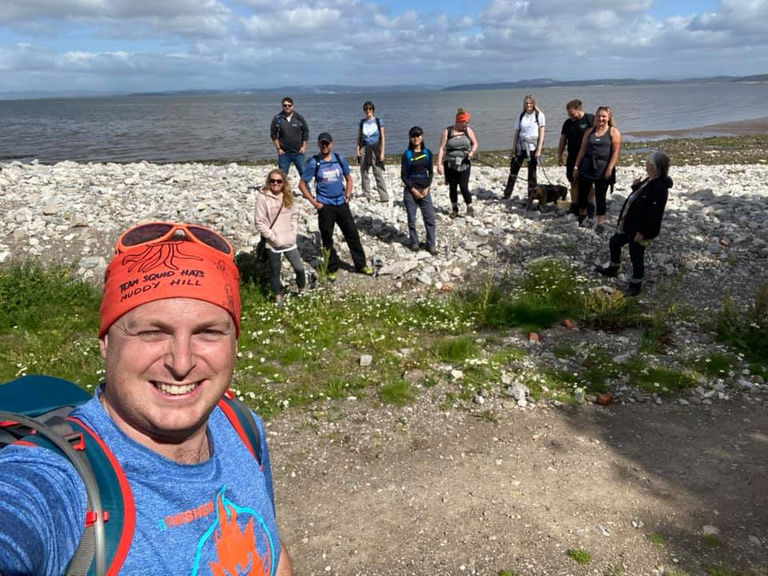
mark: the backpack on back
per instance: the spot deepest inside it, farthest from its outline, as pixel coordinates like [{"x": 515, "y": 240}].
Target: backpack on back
[
  {"x": 409, "y": 157},
  {"x": 35, "y": 411}
]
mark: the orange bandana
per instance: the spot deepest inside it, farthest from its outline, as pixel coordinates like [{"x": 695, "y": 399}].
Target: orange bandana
[
  {"x": 463, "y": 117},
  {"x": 169, "y": 269}
]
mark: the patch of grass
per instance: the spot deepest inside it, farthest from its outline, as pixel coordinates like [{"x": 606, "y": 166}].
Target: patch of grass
[
  {"x": 564, "y": 350},
  {"x": 507, "y": 573},
  {"x": 714, "y": 365},
  {"x": 580, "y": 556},
  {"x": 720, "y": 571},
  {"x": 676, "y": 573},
  {"x": 746, "y": 330},
  {"x": 455, "y": 350},
  {"x": 656, "y": 538},
  {"x": 711, "y": 540},
  {"x": 397, "y": 392},
  {"x": 659, "y": 379},
  {"x": 614, "y": 571},
  {"x": 486, "y": 415}
]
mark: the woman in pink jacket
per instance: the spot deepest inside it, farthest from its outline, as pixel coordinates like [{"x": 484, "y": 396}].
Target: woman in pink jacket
[{"x": 278, "y": 223}]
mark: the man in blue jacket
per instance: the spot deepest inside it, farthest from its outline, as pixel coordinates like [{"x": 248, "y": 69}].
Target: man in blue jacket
[{"x": 333, "y": 192}]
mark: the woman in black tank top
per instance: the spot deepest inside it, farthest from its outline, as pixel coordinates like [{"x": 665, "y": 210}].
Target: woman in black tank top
[{"x": 596, "y": 164}]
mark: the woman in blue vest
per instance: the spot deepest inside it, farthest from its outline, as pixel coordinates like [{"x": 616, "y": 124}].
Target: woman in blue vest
[{"x": 416, "y": 174}]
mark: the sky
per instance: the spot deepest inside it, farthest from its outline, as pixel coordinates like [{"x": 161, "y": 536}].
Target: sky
[{"x": 159, "y": 45}]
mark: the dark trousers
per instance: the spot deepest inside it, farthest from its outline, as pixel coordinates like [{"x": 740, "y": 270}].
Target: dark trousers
[
  {"x": 458, "y": 181},
  {"x": 601, "y": 191},
  {"x": 514, "y": 167},
  {"x": 427, "y": 212},
  {"x": 294, "y": 258},
  {"x": 636, "y": 253},
  {"x": 327, "y": 217}
]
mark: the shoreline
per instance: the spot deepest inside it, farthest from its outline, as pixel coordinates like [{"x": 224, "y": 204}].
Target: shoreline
[
  {"x": 738, "y": 128},
  {"x": 753, "y": 132}
]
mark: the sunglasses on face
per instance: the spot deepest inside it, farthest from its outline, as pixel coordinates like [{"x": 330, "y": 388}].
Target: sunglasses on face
[
  {"x": 155, "y": 232},
  {"x": 275, "y": 181},
  {"x": 287, "y": 105}
]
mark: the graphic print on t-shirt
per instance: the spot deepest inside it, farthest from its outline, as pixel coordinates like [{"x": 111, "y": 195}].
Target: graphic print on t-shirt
[{"x": 237, "y": 542}]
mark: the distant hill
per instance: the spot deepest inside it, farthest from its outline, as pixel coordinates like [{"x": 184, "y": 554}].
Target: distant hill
[
  {"x": 290, "y": 90},
  {"x": 548, "y": 82}
]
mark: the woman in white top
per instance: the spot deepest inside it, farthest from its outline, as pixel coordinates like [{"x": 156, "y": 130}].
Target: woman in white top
[
  {"x": 527, "y": 144},
  {"x": 277, "y": 220}
]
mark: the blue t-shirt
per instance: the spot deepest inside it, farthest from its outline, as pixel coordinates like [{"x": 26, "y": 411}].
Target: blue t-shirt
[
  {"x": 187, "y": 516},
  {"x": 330, "y": 183},
  {"x": 371, "y": 131}
]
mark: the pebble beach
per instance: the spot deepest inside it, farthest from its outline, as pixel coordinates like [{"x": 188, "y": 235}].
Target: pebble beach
[{"x": 714, "y": 238}]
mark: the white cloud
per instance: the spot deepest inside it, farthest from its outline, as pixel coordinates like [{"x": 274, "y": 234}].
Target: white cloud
[{"x": 266, "y": 43}]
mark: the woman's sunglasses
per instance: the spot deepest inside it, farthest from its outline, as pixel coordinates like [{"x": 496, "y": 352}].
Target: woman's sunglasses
[
  {"x": 275, "y": 181},
  {"x": 161, "y": 231}
]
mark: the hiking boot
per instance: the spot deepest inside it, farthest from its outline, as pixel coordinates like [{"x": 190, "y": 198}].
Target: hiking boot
[
  {"x": 470, "y": 210},
  {"x": 610, "y": 271},
  {"x": 573, "y": 209},
  {"x": 590, "y": 210},
  {"x": 583, "y": 221},
  {"x": 367, "y": 270},
  {"x": 454, "y": 213},
  {"x": 633, "y": 289},
  {"x": 332, "y": 276},
  {"x": 432, "y": 250},
  {"x": 507, "y": 194},
  {"x": 413, "y": 247},
  {"x": 599, "y": 229}
]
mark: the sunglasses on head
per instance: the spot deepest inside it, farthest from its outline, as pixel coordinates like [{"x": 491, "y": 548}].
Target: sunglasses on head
[
  {"x": 275, "y": 181},
  {"x": 155, "y": 232}
]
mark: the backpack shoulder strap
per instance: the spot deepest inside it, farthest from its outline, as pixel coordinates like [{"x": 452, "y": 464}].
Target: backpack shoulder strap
[
  {"x": 243, "y": 422},
  {"x": 590, "y": 119},
  {"x": 378, "y": 125},
  {"x": 110, "y": 514},
  {"x": 519, "y": 120}
]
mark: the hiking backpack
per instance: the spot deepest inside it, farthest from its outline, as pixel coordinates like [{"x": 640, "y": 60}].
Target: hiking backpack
[
  {"x": 34, "y": 411},
  {"x": 409, "y": 157}
]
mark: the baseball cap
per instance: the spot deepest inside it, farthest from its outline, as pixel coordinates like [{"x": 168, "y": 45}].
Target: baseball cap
[
  {"x": 415, "y": 131},
  {"x": 325, "y": 137}
]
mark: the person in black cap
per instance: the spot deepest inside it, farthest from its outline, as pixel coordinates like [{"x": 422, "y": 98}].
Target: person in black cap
[
  {"x": 333, "y": 192},
  {"x": 416, "y": 173}
]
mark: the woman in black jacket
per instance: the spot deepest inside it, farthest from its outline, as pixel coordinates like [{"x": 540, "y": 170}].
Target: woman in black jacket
[
  {"x": 640, "y": 220},
  {"x": 416, "y": 173}
]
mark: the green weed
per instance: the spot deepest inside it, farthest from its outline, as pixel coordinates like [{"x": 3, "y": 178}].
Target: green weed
[
  {"x": 397, "y": 392},
  {"x": 455, "y": 350},
  {"x": 714, "y": 365},
  {"x": 580, "y": 556},
  {"x": 656, "y": 538},
  {"x": 746, "y": 330}
]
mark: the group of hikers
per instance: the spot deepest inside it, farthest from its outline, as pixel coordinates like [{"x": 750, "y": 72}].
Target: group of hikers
[
  {"x": 591, "y": 144},
  {"x": 160, "y": 450}
]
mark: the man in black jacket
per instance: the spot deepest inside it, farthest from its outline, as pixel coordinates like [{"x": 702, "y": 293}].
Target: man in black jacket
[{"x": 289, "y": 133}]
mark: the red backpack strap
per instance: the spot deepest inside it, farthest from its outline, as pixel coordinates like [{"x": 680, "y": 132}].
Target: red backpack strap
[
  {"x": 239, "y": 415},
  {"x": 116, "y": 498}
]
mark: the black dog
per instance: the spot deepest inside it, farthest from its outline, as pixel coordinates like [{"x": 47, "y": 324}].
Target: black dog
[{"x": 545, "y": 194}]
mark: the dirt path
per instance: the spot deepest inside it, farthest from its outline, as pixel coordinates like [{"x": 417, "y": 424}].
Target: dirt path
[{"x": 419, "y": 490}]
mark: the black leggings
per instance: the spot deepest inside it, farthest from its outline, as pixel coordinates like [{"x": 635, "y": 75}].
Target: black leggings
[
  {"x": 601, "y": 190},
  {"x": 636, "y": 254},
  {"x": 458, "y": 180}
]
